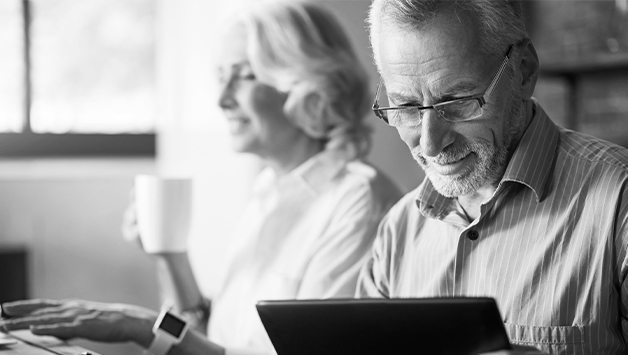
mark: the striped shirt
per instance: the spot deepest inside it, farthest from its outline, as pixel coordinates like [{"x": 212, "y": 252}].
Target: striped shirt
[{"x": 549, "y": 245}]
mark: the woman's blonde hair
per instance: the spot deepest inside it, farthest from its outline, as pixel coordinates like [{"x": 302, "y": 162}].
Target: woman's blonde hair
[{"x": 301, "y": 49}]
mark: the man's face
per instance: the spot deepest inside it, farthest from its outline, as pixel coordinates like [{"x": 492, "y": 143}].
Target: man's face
[{"x": 441, "y": 62}]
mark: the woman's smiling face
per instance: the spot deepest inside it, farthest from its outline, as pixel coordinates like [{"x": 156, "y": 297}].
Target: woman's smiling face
[{"x": 257, "y": 122}]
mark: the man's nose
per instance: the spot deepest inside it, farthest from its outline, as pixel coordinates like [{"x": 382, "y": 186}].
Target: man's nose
[
  {"x": 436, "y": 134},
  {"x": 226, "y": 99}
]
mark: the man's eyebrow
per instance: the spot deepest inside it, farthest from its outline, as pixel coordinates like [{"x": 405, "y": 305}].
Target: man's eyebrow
[
  {"x": 404, "y": 97},
  {"x": 458, "y": 90}
]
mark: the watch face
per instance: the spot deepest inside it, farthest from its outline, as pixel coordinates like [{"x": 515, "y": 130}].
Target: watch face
[{"x": 172, "y": 325}]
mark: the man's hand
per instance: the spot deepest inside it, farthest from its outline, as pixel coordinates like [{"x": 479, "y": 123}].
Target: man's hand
[
  {"x": 81, "y": 319},
  {"x": 517, "y": 350}
]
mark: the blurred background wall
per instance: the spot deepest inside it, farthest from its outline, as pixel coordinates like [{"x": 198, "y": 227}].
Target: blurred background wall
[
  {"x": 583, "y": 50},
  {"x": 65, "y": 213}
]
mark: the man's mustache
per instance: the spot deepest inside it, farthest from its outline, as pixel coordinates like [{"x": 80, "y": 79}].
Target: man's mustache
[{"x": 450, "y": 154}]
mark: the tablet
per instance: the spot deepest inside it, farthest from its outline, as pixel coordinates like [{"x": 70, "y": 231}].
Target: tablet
[{"x": 452, "y": 326}]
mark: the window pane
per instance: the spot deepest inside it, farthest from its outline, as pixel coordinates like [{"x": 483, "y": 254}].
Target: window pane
[
  {"x": 93, "y": 66},
  {"x": 11, "y": 66}
]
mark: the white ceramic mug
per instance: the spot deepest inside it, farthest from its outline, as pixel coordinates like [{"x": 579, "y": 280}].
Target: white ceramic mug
[{"x": 164, "y": 208}]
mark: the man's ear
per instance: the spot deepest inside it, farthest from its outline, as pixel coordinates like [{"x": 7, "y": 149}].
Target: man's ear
[{"x": 529, "y": 69}]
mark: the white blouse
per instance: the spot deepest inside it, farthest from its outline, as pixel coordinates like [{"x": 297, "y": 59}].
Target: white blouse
[{"x": 303, "y": 235}]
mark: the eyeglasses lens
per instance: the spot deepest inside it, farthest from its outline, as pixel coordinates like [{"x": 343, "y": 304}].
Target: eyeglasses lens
[
  {"x": 457, "y": 111},
  {"x": 452, "y": 111}
]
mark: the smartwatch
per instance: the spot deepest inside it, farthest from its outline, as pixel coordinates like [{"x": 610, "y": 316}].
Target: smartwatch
[{"x": 169, "y": 330}]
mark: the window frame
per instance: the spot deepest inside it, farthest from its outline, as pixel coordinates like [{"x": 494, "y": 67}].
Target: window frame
[{"x": 28, "y": 144}]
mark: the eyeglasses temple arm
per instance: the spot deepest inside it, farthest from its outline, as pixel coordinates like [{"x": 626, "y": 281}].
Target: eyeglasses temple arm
[
  {"x": 376, "y": 103},
  {"x": 489, "y": 91}
]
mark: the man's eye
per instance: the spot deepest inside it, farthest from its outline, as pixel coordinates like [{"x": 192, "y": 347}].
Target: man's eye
[{"x": 409, "y": 104}]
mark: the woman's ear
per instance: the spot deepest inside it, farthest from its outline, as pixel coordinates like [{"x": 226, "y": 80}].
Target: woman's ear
[
  {"x": 312, "y": 105},
  {"x": 316, "y": 125},
  {"x": 529, "y": 69},
  {"x": 305, "y": 110}
]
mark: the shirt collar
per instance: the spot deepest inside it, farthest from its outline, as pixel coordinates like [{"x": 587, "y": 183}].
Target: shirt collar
[
  {"x": 312, "y": 175},
  {"x": 530, "y": 165}
]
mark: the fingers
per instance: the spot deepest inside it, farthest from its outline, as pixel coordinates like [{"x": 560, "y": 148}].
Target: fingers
[
  {"x": 130, "y": 230},
  {"x": 60, "y": 330},
  {"x": 19, "y": 308},
  {"x": 27, "y": 322},
  {"x": 41, "y": 312}
]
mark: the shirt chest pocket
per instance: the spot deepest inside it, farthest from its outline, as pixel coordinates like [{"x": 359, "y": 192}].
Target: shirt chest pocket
[{"x": 552, "y": 339}]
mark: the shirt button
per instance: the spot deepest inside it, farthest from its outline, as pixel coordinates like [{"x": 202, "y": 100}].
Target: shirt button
[{"x": 473, "y": 235}]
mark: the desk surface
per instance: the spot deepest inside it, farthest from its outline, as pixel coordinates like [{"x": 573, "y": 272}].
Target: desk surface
[{"x": 29, "y": 344}]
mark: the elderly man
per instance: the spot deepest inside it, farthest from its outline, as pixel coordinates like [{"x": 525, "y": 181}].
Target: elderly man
[{"x": 513, "y": 207}]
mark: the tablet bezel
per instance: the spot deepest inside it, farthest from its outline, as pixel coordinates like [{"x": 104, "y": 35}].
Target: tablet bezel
[{"x": 453, "y": 325}]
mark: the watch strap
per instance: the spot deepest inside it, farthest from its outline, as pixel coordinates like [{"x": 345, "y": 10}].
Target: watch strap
[
  {"x": 160, "y": 345},
  {"x": 198, "y": 315}
]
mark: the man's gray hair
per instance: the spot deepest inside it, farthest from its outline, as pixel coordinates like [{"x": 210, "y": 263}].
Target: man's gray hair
[{"x": 501, "y": 21}]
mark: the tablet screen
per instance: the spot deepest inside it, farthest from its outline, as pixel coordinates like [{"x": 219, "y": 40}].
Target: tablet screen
[{"x": 449, "y": 326}]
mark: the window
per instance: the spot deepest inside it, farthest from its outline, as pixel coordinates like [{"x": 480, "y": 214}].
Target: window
[
  {"x": 79, "y": 77},
  {"x": 11, "y": 66}
]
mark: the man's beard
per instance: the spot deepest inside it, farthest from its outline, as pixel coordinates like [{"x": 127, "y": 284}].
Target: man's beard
[{"x": 490, "y": 164}]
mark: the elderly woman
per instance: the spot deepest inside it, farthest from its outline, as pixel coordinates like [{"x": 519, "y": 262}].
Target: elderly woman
[{"x": 295, "y": 95}]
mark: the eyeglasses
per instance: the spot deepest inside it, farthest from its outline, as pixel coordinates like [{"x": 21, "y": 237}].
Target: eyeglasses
[{"x": 458, "y": 110}]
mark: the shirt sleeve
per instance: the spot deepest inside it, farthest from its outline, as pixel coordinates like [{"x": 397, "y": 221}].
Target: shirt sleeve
[
  {"x": 342, "y": 250},
  {"x": 383, "y": 267},
  {"x": 373, "y": 278},
  {"x": 621, "y": 235}
]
